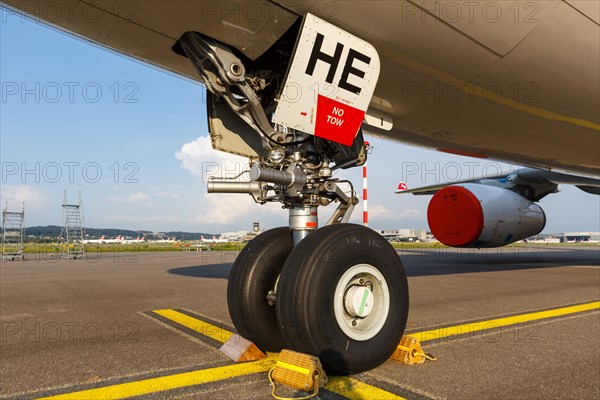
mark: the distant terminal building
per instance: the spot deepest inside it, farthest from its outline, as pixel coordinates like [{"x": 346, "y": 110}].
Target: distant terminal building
[
  {"x": 405, "y": 235},
  {"x": 567, "y": 237},
  {"x": 544, "y": 238},
  {"x": 243, "y": 236},
  {"x": 237, "y": 236},
  {"x": 576, "y": 237}
]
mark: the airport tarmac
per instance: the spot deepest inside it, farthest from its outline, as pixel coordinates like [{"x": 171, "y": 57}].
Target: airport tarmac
[{"x": 518, "y": 322}]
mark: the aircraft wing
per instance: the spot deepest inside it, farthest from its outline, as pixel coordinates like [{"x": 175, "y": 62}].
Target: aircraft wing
[
  {"x": 466, "y": 85},
  {"x": 494, "y": 211},
  {"x": 541, "y": 181}
]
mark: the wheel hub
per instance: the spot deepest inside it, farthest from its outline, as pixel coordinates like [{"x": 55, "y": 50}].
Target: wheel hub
[{"x": 359, "y": 301}]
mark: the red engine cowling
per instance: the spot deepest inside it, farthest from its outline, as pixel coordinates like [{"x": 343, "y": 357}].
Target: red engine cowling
[{"x": 474, "y": 215}]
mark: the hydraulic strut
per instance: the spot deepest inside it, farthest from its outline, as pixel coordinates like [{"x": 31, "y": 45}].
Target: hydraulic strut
[
  {"x": 298, "y": 170},
  {"x": 221, "y": 70}
]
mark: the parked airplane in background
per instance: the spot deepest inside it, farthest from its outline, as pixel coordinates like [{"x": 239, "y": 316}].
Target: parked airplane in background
[
  {"x": 494, "y": 211},
  {"x": 213, "y": 240},
  {"x": 95, "y": 241},
  {"x": 116, "y": 240},
  {"x": 136, "y": 240},
  {"x": 103, "y": 240},
  {"x": 294, "y": 92},
  {"x": 169, "y": 240}
]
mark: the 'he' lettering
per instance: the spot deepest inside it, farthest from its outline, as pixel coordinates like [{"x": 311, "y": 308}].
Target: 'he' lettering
[
  {"x": 349, "y": 69},
  {"x": 317, "y": 54},
  {"x": 334, "y": 61}
]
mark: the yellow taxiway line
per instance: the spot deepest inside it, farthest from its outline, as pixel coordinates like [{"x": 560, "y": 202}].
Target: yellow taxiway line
[
  {"x": 170, "y": 382},
  {"x": 356, "y": 390},
  {"x": 204, "y": 328},
  {"x": 499, "y": 322},
  {"x": 345, "y": 386}
]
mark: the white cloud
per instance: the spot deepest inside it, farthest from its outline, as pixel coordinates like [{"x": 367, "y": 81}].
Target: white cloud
[
  {"x": 379, "y": 211},
  {"x": 168, "y": 195},
  {"x": 199, "y": 158},
  {"x": 203, "y": 161},
  {"x": 408, "y": 213},
  {"x": 136, "y": 197},
  {"x": 15, "y": 195},
  {"x": 224, "y": 209}
]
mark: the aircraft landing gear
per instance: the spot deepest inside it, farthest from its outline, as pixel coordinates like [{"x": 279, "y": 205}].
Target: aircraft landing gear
[
  {"x": 252, "y": 279},
  {"x": 338, "y": 292},
  {"x": 343, "y": 296}
]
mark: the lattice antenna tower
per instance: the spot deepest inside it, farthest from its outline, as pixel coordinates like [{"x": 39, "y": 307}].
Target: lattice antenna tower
[
  {"x": 13, "y": 234},
  {"x": 73, "y": 230}
]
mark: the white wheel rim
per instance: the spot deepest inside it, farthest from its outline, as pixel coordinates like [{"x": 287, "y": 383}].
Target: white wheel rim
[{"x": 357, "y": 328}]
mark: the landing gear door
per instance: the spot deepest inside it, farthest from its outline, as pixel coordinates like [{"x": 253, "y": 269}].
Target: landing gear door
[
  {"x": 329, "y": 84},
  {"x": 229, "y": 133}
]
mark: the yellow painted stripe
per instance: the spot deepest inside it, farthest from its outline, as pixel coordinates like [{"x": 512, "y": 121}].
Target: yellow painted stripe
[
  {"x": 170, "y": 382},
  {"x": 204, "y": 328},
  {"x": 493, "y": 97},
  {"x": 291, "y": 367},
  {"x": 348, "y": 387},
  {"x": 344, "y": 386},
  {"x": 357, "y": 390},
  {"x": 473, "y": 89},
  {"x": 499, "y": 322}
]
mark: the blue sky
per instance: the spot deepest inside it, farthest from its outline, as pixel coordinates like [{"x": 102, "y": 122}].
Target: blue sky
[{"x": 133, "y": 140}]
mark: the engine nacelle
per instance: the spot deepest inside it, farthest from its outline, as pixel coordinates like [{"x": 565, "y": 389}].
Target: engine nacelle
[{"x": 474, "y": 215}]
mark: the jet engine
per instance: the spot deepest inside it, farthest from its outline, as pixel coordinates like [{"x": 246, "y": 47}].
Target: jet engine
[{"x": 474, "y": 215}]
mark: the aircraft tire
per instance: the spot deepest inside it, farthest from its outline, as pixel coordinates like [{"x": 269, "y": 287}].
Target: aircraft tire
[
  {"x": 324, "y": 309},
  {"x": 254, "y": 273}
]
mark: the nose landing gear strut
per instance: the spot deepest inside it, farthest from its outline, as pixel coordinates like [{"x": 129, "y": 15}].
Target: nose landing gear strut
[{"x": 338, "y": 292}]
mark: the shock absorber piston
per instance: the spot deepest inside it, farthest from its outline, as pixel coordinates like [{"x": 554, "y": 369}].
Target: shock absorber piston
[{"x": 303, "y": 220}]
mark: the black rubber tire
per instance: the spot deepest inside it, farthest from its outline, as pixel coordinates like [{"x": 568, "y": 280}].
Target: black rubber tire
[
  {"x": 306, "y": 293},
  {"x": 254, "y": 273}
]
